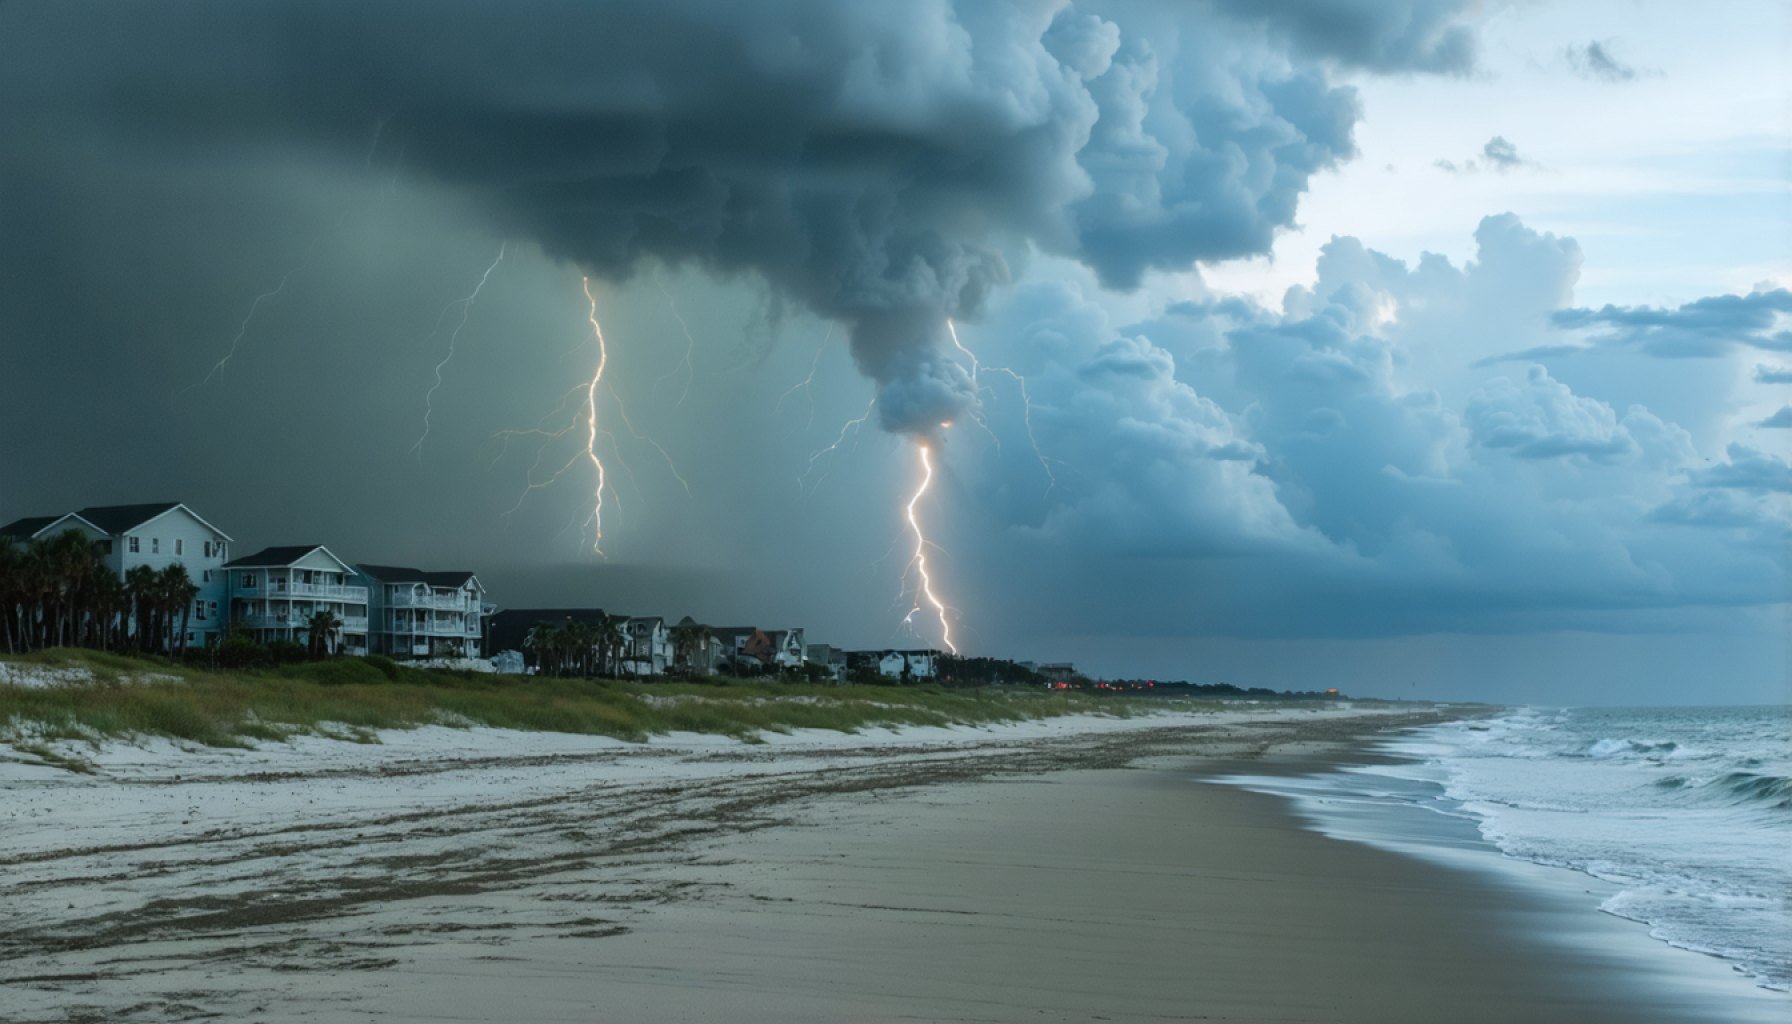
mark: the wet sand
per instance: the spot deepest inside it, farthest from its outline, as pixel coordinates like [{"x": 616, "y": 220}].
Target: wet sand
[{"x": 1076, "y": 879}]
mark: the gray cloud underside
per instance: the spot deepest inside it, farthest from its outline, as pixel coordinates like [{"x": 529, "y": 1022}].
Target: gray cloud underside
[{"x": 869, "y": 161}]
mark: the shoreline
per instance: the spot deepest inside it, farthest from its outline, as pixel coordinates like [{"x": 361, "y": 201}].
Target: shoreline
[{"x": 1079, "y": 876}]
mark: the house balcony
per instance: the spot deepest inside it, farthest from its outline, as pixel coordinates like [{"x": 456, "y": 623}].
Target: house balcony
[
  {"x": 350, "y": 623},
  {"x": 327, "y": 591},
  {"x": 440, "y": 602},
  {"x": 271, "y": 621},
  {"x": 455, "y": 629}
]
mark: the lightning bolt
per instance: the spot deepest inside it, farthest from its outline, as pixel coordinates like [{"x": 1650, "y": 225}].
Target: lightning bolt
[
  {"x": 845, "y": 428},
  {"x": 466, "y": 308},
  {"x": 807, "y": 384},
  {"x": 685, "y": 363},
  {"x": 587, "y": 425},
  {"x": 924, "y": 588},
  {"x": 1026, "y": 402},
  {"x": 217, "y": 369},
  {"x": 597, "y": 464}
]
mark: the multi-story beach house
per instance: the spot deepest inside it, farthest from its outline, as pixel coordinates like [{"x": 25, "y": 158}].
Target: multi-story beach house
[
  {"x": 703, "y": 659},
  {"x": 417, "y": 614},
  {"x": 155, "y": 535},
  {"x": 788, "y": 648},
  {"x": 275, "y": 592},
  {"x": 649, "y": 646}
]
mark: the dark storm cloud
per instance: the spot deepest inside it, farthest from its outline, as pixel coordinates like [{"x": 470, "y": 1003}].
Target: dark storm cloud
[
  {"x": 1595, "y": 61},
  {"x": 1369, "y": 34},
  {"x": 869, "y": 161},
  {"x": 1705, "y": 328}
]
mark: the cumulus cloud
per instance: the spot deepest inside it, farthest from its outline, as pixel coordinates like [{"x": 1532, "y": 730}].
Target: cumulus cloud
[
  {"x": 1541, "y": 418},
  {"x": 1368, "y": 34},
  {"x": 1704, "y": 328},
  {"x": 1773, "y": 374},
  {"x": 1498, "y": 155},
  {"x": 1780, "y": 420},
  {"x": 1411, "y": 503},
  {"x": 1596, "y": 61},
  {"x": 1747, "y": 469}
]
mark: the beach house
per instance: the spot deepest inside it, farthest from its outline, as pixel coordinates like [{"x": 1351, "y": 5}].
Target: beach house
[
  {"x": 649, "y": 650},
  {"x": 155, "y": 536},
  {"x": 415, "y": 613},
  {"x": 275, "y": 592}
]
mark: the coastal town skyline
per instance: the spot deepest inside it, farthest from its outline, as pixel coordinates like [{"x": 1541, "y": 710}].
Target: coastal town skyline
[{"x": 1377, "y": 382}]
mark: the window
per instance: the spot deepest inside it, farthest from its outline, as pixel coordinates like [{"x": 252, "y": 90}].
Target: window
[
  {"x": 206, "y": 576},
  {"x": 180, "y": 546},
  {"x": 212, "y": 608},
  {"x": 248, "y": 581},
  {"x": 207, "y": 549},
  {"x": 155, "y": 545},
  {"x": 199, "y": 610},
  {"x": 135, "y": 545}
]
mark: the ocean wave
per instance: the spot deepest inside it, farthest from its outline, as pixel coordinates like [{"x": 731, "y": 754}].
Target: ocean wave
[
  {"x": 1608, "y": 747},
  {"x": 1773, "y": 790}
]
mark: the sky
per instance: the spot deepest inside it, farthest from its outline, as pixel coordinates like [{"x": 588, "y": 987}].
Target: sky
[{"x": 1423, "y": 348}]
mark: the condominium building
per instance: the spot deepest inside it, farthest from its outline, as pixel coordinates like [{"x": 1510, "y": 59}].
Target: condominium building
[
  {"x": 417, "y": 614},
  {"x": 156, "y": 535},
  {"x": 275, "y": 592}
]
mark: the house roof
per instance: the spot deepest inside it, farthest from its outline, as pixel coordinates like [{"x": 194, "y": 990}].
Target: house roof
[
  {"x": 26, "y": 528},
  {"x": 117, "y": 519},
  {"x": 404, "y": 574},
  {"x": 276, "y": 557}
]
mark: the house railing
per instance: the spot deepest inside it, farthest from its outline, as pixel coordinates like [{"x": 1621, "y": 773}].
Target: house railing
[
  {"x": 270, "y": 621},
  {"x": 443, "y": 602},
  {"x": 332, "y": 591}
]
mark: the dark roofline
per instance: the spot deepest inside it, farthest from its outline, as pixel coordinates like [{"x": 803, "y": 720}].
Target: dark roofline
[{"x": 281, "y": 556}]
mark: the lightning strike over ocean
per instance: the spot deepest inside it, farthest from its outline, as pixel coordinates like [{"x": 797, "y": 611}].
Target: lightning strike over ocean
[{"x": 466, "y": 307}]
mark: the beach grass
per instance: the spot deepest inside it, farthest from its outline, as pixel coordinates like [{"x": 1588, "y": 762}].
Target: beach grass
[{"x": 90, "y": 696}]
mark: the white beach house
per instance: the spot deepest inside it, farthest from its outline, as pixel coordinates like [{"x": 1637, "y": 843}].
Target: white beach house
[
  {"x": 275, "y": 592},
  {"x": 417, "y": 614},
  {"x": 649, "y": 646},
  {"x": 156, "y": 535}
]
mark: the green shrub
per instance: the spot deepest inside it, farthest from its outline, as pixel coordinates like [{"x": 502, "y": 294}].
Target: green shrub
[
  {"x": 237, "y": 651},
  {"x": 387, "y": 666},
  {"x": 285, "y": 652}
]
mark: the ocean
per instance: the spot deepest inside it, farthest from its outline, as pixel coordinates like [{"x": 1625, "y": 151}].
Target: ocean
[{"x": 1685, "y": 814}]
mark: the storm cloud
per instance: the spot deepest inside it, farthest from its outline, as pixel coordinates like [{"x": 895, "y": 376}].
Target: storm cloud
[{"x": 873, "y": 163}]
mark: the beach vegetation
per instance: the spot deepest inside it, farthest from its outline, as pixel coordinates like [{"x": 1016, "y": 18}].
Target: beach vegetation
[{"x": 83, "y": 696}]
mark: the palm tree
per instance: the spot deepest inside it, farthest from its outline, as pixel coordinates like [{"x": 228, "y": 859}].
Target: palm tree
[
  {"x": 539, "y": 643},
  {"x": 611, "y": 641},
  {"x": 177, "y": 591},
  {"x": 12, "y": 593},
  {"x": 322, "y": 628},
  {"x": 142, "y": 582},
  {"x": 688, "y": 639}
]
